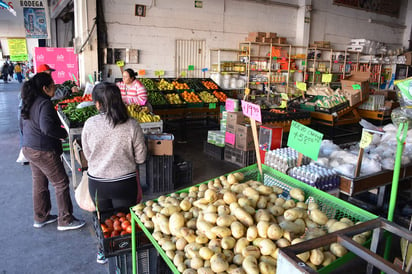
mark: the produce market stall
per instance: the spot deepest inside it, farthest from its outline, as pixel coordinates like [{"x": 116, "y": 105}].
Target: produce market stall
[{"x": 169, "y": 211}]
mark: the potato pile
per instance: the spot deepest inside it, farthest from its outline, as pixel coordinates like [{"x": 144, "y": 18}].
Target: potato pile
[{"x": 225, "y": 226}]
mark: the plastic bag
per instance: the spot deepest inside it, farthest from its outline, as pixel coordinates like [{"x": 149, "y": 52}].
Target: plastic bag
[
  {"x": 405, "y": 95},
  {"x": 82, "y": 195}
]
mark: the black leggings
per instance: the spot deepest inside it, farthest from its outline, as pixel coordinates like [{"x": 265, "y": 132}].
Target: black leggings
[{"x": 114, "y": 194}]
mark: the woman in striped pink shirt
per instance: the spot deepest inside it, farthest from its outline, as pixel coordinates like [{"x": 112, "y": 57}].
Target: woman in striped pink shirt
[{"x": 132, "y": 90}]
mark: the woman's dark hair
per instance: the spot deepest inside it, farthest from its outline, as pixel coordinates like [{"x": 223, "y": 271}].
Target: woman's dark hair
[
  {"x": 111, "y": 103},
  {"x": 131, "y": 73},
  {"x": 32, "y": 89}
]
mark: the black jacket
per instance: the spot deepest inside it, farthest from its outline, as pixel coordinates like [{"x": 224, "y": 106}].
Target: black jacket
[{"x": 43, "y": 130}]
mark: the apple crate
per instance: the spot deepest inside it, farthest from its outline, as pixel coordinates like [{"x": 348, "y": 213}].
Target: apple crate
[
  {"x": 152, "y": 128},
  {"x": 117, "y": 245}
]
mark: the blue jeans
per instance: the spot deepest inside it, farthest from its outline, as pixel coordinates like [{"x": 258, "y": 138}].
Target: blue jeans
[{"x": 47, "y": 166}]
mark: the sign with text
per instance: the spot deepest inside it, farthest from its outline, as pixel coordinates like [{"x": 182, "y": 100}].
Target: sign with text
[
  {"x": 142, "y": 72},
  {"x": 366, "y": 139},
  {"x": 17, "y": 50},
  {"x": 305, "y": 140},
  {"x": 230, "y": 105},
  {"x": 357, "y": 86},
  {"x": 63, "y": 60},
  {"x": 252, "y": 111},
  {"x": 301, "y": 85},
  {"x": 326, "y": 77}
]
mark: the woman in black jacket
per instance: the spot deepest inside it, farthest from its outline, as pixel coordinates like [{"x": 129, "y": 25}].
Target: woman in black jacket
[{"x": 42, "y": 134}]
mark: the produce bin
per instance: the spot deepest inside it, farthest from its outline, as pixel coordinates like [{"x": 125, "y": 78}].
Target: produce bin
[
  {"x": 114, "y": 246},
  {"x": 159, "y": 174},
  {"x": 239, "y": 157},
  {"x": 330, "y": 205},
  {"x": 216, "y": 152}
]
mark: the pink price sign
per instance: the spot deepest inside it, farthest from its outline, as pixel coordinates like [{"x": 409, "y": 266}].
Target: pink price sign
[
  {"x": 230, "y": 105},
  {"x": 230, "y": 138},
  {"x": 252, "y": 111}
]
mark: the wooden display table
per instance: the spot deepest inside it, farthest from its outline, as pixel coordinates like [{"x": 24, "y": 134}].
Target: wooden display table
[
  {"x": 377, "y": 115},
  {"x": 345, "y": 116}
]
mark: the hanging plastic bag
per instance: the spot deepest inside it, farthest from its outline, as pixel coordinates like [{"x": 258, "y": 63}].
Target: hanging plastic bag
[{"x": 82, "y": 195}]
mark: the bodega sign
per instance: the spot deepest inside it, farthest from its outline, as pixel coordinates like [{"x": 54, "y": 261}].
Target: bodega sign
[{"x": 31, "y": 4}]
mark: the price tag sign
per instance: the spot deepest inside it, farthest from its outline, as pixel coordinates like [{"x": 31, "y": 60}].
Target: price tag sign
[
  {"x": 183, "y": 73},
  {"x": 275, "y": 58},
  {"x": 303, "y": 63},
  {"x": 305, "y": 140},
  {"x": 230, "y": 105},
  {"x": 357, "y": 86},
  {"x": 283, "y": 104},
  {"x": 142, "y": 72},
  {"x": 204, "y": 69},
  {"x": 326, "y": 77},
  {"x": 247, "y": 91},
  {"x": 212, "y": 105},
  {"x": 253, "y": 97},
  {"x": 191, "y": 67},
  {"x": 317, "y": 72},
  {"x": 159, "y": 72},
  {"x": 301, "y": 85},
  {"x": 230, "y": 138},
  {"x": 284, "y": 96},
  {"x": 252, "y": 111},
  {"x": 366, "y": 139},
  {"x": 120, "y": 63}
]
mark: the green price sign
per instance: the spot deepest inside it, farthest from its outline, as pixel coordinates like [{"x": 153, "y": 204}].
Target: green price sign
[
  {"x": 303, "y": 63},
  {"x": 317, "y": 72},
  {"x": 305, "y": 140},
  {"x": 159, "y": 72},
  {"x": 357, "y": 86},
  {"x": 301, "y": 85},
  {"x": 120, "y": 63},
  {"x": 191, "y": 67},
  {"x": 212, "y": 105},
  {"x": 326, "y": 77},
  {"x": 275, "y": 58}
]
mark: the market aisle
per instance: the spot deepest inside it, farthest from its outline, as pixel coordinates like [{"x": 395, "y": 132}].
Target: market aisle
[{"x": 24, "y": 248}]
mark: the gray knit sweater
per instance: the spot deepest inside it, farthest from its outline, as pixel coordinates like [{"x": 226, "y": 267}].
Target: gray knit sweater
[{"x": 112, "y": 152}]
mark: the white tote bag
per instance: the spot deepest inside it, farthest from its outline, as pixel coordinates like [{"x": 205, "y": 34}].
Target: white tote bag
[{"x": 82, "y": 195}]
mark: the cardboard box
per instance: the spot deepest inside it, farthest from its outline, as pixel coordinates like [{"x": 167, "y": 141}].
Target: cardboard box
[
  {"x": 408, "y": 57},
  {"x": 357, "y": 78},
  {"x": 244, "y": 137},
  {"x": 234, "y": 118},
  {"x": 257, "y": 34},
  {"x": 160, "y": 144},
  {"x": 353, "y": 96}
]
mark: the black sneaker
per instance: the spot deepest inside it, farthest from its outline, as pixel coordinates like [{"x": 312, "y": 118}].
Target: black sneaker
[
  {"x": 50, "y": 219},
  {"x": 75, "y": 224}
]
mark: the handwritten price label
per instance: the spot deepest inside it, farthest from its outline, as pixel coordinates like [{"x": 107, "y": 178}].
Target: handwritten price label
[
  {"x": 326, "y": 78},
  {"x": 252, "y": 111},
  {"x": 301, "y": 85},
  {"x": 305, "y": 140},
  {"x": 230, "y": 105},
  {"x": 366, "y": 139},
  {"x": 230, "y": 138}
]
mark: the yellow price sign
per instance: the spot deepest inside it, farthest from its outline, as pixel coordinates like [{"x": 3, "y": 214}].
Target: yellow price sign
[
  {"x": 120, "y": 63},
  {"x": 301, "y": 85},
  {"x": 284, "y": 96},
  {"x": 326, "y": 77},
  {"x": 247, "y": 91},
  {"x": 366, "y": 139},
  {"x": 284, "y": 104},
  {"x": 183, "y": 73}
]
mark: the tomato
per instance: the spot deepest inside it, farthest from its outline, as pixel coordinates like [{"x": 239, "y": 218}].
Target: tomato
[
  {"x": 125, "y": 224},
  {"x": 107, "y": 235},
  {"x": 129, "y": 229},
  {"x": 116, "y": 223},
  {"x": 109, "y": 222},
  {"x": 114, "y": 217},
  {"x": 124, "y": 233},
  {"x": 115, "y": 233},
  {"x": 128, "y": 216},
  {"x": 122, "y": 219},
  {"x": 120, "y": 214},
  {"x": 117, "y": 228}
]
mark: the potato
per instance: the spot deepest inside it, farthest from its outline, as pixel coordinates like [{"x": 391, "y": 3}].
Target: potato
[
  {"x": 289, "y": 204},
  {"x": 168, "y": 245},
  {"x": 243, "y": 216},
  {"x": 316, "y": 256},
  {"x": 218, "y": 263},
  {"x": 302, "y": 205},
  {"x": 189, "y": 271},
  {"x": 263, "y": 215},
  {"x": 312, "y": 206},
  {"x": 249, "y": 209},
  {"x": 251, "y": 233},
  {"x": 338, "y": 250},
  {"x": 241, "y": 244},
  {"x": 238, "y": 229},
  {"x": 277, "y": 190},
  {"x": 231, "y": 179},
  {"x": 291, "y": 226},
  {"x": 178, "y": 259},
  {"x": 176, "y": 222},
  {"x": 244, "y": 201},
  {"x": 314, "y": 232},
  {"x": 196, "y": 263},
  {"x": 282, "y": 242},
  {"x": 276, "y": 210},
  {"x": 264, "y": 190},
  {"x": 360, "y": 239},
  {"x": 337, "y": 226},
  {"x": 191, "y": 223},
  {"x": 329, "y": 258},
  {"x": 309, "y": 223},
  {"x": 298, "y": 194},
  {"x": 266, "y": 268},
  {"x": 181, "y": 243},
  {"x": 205, "y": 253},
  {"x": 239, "y": 176},
  {"x": 303, "y": 256},
  {"x": 262, "y": 228},
  {"x": 210, "y": 195},
  {"x": 225, "y": 220},
  {"x": 221, "y": 231},
  {"x": 229, "y": 197},
  {"x": 329, "y": 223},
  {"x": 274, "y": 232},
  {"x": 228, "y": 242},
  {"x": 251, "y": 250},
  {"x": 250, "y": 265},
  {"x": 267, "y": 247},
  {"x": 210, "y": 217},
  {"x": 205, "y": 270},
  {"x": 346, "y": 220},
  {"x": 236, "y": 270},
  {"x": 238, "y": 259},
  {"x": 163, "y": 223},
  {"x": 292, "y": 214},
  {"x": 201, "y": 239},
  {"x": 223, "y": 210}
]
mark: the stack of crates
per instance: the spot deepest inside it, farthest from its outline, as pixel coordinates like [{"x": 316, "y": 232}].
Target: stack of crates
[
  {"x": 159, "y": 173},
  {"x": 182, "y": 174},
  {"x": 239, "y": 157}
]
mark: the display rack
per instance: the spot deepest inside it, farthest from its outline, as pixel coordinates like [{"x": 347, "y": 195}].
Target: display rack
[{"x": 71, "y": 132}]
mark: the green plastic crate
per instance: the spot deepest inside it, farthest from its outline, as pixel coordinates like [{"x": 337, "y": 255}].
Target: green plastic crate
[{"x": 332, "y": 206}]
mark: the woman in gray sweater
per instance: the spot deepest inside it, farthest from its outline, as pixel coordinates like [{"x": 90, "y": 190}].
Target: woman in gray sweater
[{"x": 113, "y": 144}]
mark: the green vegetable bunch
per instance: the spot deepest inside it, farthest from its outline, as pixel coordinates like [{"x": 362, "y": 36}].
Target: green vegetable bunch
[{"x": 79, "y": 115}]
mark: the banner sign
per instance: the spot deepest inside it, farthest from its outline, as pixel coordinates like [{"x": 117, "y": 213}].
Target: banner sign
[
  {"x": 63, "y": 60},
  {"x": 17, "y": 50},
  {"x": 35, "y": 22}
]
